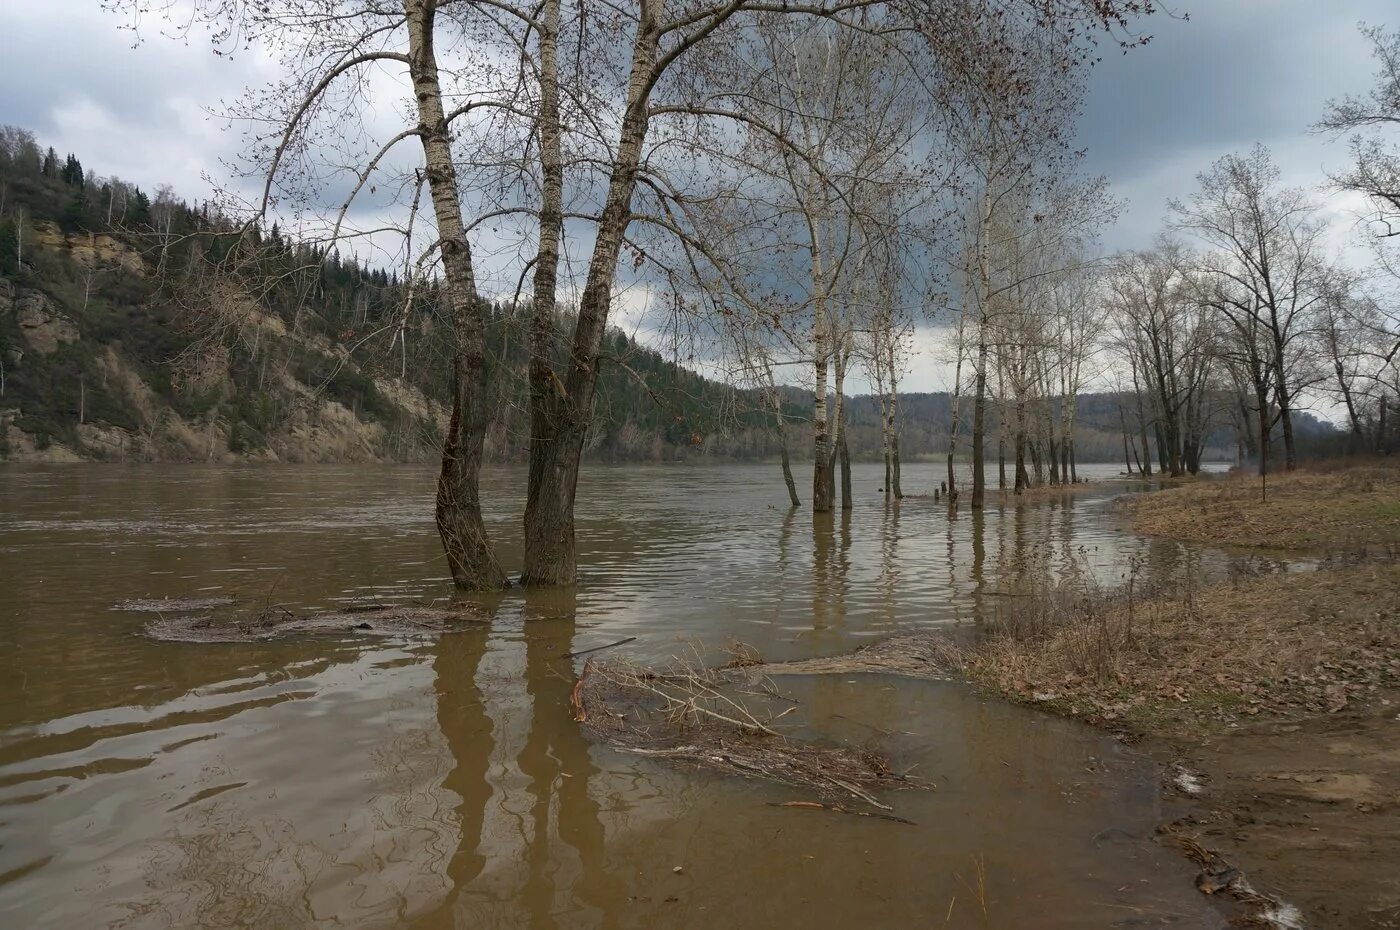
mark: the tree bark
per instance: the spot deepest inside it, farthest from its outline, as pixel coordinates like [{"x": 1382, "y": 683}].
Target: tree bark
[
  {"x": 775, "y": 401},
  {"x": 979, "y": 422},
  {"x": 547, "y": 405},
  {"x": 1262, "y": 397},
  {"x": 1285, "y": 412},
  {"x": 470, "y": 557},
  {"x": 894, "y": 427},
  {"x": 841, "y": 452},
  {"x": 550, "y": 551},
  {"x": 1123, "y": 423},
  {"x": 823, "y": 487}
]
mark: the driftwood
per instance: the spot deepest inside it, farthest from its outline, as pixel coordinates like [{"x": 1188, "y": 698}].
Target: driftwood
[
  {"x": 915, "y": 655},
  {"x": 688, "y": 713},
  {"x": 837, "y": 808},
  {"x": 1219, "y": 876},
  {"x": 226, "y": 621},
  {"x": 584, "y": 652}
]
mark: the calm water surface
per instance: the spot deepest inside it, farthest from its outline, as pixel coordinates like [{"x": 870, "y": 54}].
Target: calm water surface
[{"x": 365, "y": 782}]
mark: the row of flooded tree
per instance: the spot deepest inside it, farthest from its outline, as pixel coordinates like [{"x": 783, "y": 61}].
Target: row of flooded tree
[{"x": 783, "y": 193}]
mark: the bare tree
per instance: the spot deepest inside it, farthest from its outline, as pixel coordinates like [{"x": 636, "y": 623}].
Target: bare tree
[
  {"x": 1164, "y": 328},
  {"x": 514, "y": 133},
  {"x": 1267, "y": 243}
]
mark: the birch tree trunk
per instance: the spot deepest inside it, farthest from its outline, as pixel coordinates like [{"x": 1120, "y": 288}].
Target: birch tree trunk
[
  {"x": 979, "y": 421},
  {"x": 470, "y": 557},
  {"x": 823, "y": 487},
  {"x": 841, "y": 452},
  {"x": 894, "y": 426},
  {"x": 550, "y": 551},
  {"x": 543, "y": 536}
]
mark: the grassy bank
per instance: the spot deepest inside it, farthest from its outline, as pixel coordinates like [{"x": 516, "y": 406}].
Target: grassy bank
[
  {"x": 1344, "y": 507},
  {"x": 1274, "y": 695},
  {"x": 1278, "y": 693},
  {"x": 1288, "y": 644},
  {"x": 1280, "y": 690}
]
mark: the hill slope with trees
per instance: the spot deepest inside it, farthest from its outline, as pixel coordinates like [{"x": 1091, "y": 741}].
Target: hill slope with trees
[{"x": 123, "y": 337}]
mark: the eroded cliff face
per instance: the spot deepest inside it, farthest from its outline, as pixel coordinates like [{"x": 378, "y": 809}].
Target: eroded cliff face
[
  {"x": 42, "y": 326},
  {"x": 73, "y": 392},
  {"x": 314, "y": 428}
]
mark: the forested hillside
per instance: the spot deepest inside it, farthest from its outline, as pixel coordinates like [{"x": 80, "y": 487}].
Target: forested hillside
[
  {"x": 124, "y": 337},
  {"x": 121, "y": 339}
]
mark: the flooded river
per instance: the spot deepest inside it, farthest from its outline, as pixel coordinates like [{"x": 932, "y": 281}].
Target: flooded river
[{"x": 351, "y": 781}]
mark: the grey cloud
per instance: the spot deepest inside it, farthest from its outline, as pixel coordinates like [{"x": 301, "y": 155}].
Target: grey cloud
[{"x": 1236, "y": 73}]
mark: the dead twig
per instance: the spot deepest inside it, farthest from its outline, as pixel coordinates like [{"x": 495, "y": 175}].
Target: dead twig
[
  {"x": 837, "y": 808},
  {"x": 584, "y": 652}
]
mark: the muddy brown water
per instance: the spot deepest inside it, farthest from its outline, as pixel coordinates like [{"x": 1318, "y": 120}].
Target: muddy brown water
[{"x": 347, "y": 780}]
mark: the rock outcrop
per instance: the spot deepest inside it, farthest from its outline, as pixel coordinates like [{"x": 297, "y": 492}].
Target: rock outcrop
[{"x": 42, "y": 326}]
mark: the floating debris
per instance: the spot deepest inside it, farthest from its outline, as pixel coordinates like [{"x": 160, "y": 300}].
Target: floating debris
[
  {"x": 916, "y": 655},
  {"x": 1218, "y": 876},
  {"x": 688, "y": 713},
  {"x": 233, "y": 623},
  {"x": 1184, "y": 780},
  {"x": 171, "y": 605}
]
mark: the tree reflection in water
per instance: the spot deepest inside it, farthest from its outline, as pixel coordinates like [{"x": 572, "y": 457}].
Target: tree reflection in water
[{"x": 554, "y": 871}]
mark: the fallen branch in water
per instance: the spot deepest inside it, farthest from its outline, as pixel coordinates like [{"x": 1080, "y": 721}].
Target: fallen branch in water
[
  {"x": 916, "y": 655},
  {"x": 686, "y": 712},
  {"x": 229, "y": 621},
  {"x": 837, "y": 808},
  {"x": 584, "y": 652}
]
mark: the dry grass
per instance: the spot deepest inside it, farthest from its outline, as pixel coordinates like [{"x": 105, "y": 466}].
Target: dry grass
[
  {"x": 914, "y": 655},
  {"x": 1295, "y": 644},
  {"x": 1329, "y": 507}
]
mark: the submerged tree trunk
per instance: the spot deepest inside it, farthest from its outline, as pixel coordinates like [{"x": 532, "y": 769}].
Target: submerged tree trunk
[
  {"x": 783, "y": 448},
  {"x": 822, "y": 485},
  {"x": 787, "y": 473},
  {"x": 550, "y": 553},
  {"x": 1145, "y": 464},
  {"x": 1123, "y": 423},
  {"x": 470, "y": 557},
  {"x": 979, "y": 423},
  {"x": 775, "y": 403},
  {"x": 894, "y": 427},
  {"x": 884, "y": 431},
  {"x": 956, "y": 418},
  {"x": 1023, "y": 479},
  {"x": 1001, "y": 455},
  {"x": 842, "y": 451},
  {"x": 545, "y": 532}
]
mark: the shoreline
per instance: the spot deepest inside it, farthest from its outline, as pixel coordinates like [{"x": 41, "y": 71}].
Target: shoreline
[{"x": 1270, "y": 700}]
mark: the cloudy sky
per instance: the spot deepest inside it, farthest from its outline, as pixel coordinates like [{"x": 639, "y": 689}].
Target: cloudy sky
[{"x": 1236, "y": 72}]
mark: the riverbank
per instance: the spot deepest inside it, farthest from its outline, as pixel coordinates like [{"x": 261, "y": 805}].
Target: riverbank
[
  {"x": 1276, "y": 695},
  {"x": 1282, "y": 690},
  {"x": 1330, "y": 506},
  {"x": 1271, "y": 698}
]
